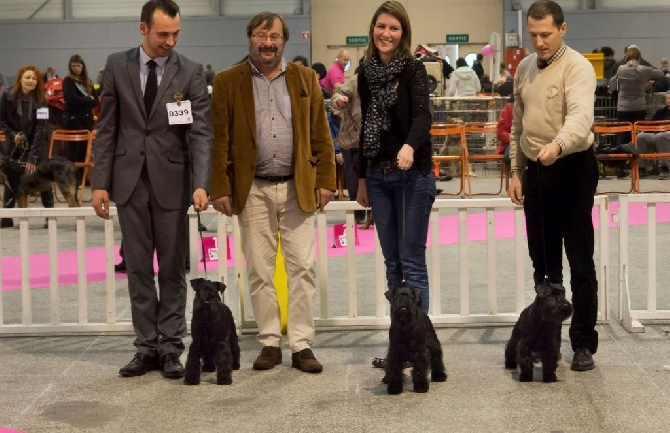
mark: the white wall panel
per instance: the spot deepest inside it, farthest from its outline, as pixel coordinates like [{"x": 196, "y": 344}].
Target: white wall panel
[
  {"x": 132, "y": 8},
  {"x": 628, "y": 4},
  {"x": 24, "y": 9},
  {"x": 252, "y": 7}
]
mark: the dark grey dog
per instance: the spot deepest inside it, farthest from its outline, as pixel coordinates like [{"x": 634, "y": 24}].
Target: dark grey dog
[
  {"x": 538, "y": 330},
  {"x": 412, "y": 338},
  {"x": 59, "y": 171},
  {"x": 214, "y": 338}
]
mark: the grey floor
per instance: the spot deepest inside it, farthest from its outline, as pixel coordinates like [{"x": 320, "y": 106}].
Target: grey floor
[{"x": 71, "y": 384}]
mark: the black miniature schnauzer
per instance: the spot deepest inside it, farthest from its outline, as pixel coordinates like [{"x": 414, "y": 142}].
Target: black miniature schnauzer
[
  {"x": 214, "y": 337},
  {"x": 59, "y": 171},
  {"x": 538, "y": 330},
  {"x": 412, "y": 338}
]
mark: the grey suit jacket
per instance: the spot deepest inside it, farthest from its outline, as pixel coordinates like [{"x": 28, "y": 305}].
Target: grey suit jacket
[{"x": 129, "y": 138}]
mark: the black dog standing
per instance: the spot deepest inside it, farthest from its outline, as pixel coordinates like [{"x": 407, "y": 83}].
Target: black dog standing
[
  {"x": 412, "y": 338},
  {"x": 538, "y": 330},
  {"x": 214, "y": 337}
]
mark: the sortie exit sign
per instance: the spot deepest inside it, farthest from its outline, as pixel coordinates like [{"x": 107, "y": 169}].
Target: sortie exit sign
[
  {"x": 458, "y": 38},
  {"x": 357, "y": 40}
]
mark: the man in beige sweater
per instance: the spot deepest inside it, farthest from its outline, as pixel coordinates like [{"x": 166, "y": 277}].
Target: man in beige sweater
[{"x": 550, "y": 148}]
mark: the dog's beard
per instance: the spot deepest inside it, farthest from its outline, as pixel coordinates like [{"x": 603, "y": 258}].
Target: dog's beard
[
  {"x": 404, "y": 312},
  {"x": 556, "y": 312}
]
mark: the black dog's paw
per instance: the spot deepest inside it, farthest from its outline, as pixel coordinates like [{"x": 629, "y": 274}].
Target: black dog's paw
[
  {"x": 421, "y": 387},
  {"x": 191, "y": 381},
  {"x": 224, "y": 381},
  {"x": 394, "y": 389},
  {"x": 236, "y": 365},
  {"x": 525, "y": 377},
  {"x": 549, "y": 377},
  {"x": 439, "y": 377}
]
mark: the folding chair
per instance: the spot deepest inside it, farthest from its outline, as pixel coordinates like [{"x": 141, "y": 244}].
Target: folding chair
[
  {"x": 440, "y": 133},
  {"x": 612, "y": 128},
  {"x": 652, "y": 126},
  {"x": 65, "y": 138},
  {"x": 488, "y": 131}
]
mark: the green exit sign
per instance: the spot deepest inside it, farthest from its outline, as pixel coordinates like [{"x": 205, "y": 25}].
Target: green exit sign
[
  {"x": 357, "y": 40},
  {"x": 458, "y": 38}
]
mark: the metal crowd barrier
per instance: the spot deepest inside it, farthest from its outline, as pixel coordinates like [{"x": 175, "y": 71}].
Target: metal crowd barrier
[
  {"x": 472, "y": 283},
  {"x": 639, "y": 268}
]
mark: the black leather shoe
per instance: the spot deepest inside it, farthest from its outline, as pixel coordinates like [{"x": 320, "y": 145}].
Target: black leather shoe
[
  {"x": 121, "y": 267},
  {"x": 582, "y": 360},
  {"x": 140, "y": 364},
  {"x": 171, "y": 367}
]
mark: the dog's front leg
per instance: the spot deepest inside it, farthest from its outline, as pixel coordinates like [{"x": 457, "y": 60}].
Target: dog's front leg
[
  {"x": 394, "y": 376},
  {"x": 224, "y": 363},
  {"x": 549, "y": 361},
  {"x": 192, "y": 369},
  {"x": 525, "y": 361}
]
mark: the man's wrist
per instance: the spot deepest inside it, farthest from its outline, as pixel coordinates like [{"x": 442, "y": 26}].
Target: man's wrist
[{"x": 561, "y": 146}]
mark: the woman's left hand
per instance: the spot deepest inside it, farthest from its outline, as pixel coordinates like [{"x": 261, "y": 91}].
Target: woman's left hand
[
  {"x": 405, "y": 157},
  {"x": 30, "y": 168}
]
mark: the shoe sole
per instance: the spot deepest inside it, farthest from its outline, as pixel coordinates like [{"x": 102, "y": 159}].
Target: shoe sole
[
  {"x": 584, "y": 368},
  {"x": 172, "y": 375},
  {"x": 304, "y": 370}
]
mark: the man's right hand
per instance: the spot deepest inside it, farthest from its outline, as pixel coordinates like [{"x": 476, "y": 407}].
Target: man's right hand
[
  {"x": 515, "y": 192},
  {"x": 100, "y": 202},
  {"x": 223, "y": 205}
]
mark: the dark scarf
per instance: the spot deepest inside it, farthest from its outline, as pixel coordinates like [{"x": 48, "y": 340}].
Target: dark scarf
[{"x": 383, "y": 95}]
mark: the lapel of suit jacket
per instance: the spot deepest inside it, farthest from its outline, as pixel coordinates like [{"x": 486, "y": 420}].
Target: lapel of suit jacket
[
  {"x": 133, "y": 68},
  {"x": 171, "y": 68},
  {"x": 247, "y": 86},
  {"x": 295, "y": 92}
]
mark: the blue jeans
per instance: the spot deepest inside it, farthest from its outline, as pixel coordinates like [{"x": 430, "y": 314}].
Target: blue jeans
[{"x": 402, "y": 227}]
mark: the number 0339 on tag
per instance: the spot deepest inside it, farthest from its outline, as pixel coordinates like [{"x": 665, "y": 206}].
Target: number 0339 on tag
[{"x": 179, "y": 114}]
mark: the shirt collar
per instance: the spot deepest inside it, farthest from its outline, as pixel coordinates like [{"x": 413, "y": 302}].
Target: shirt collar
[
  {"x": 144, "y": 58},
  {"x": 256, "y": 73},
  {"x": 557, "y": 55}
]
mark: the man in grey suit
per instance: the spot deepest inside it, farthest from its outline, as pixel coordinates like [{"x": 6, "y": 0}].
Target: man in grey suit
[{"x": 149, "y": 155}]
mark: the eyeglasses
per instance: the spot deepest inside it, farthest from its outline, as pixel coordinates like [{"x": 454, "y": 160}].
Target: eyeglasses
[{"x": 262, "y": 37}]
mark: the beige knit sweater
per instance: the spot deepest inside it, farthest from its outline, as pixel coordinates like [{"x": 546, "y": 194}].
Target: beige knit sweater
[{"x": 552, "y": 103}]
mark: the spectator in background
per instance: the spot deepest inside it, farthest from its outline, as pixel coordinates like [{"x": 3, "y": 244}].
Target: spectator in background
[
  {"x": 321, "y": 72},
  {"x": 664, "y": 66},
  {"x": 209, "y": 74},
  {"x": 486, "y": 84},
  {"x": 656, "y": 142},
  {"x": 49, "y": 74},
  {"x": 23, "y": 119},
  {"x": 335, "y": 74},
  {"x": 464, "y": 81},
  {"x": 347, "y": 104},
  {"x": 80, "y": 97},
  {"x": 609, "y": 68},
  {"x": 478, "y": 67},
  {"x": 631, "y": 81},
  {"x": 504, "y": 129},
  {"x": 301, "y": 60}
]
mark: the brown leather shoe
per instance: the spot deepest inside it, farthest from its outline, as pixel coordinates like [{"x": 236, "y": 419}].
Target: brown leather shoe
[
  {"x": 305, "y": 361},
  {"x": 268, "y": 358}
]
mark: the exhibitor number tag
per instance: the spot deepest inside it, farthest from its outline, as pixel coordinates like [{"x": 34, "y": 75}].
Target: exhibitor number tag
[{"x": 179, "y": 113}]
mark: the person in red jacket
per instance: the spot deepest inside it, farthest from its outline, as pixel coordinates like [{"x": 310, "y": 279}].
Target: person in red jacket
[{"x": 504, "y": 129}]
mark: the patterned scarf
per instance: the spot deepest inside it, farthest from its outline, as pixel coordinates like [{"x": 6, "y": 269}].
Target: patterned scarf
[{"x": 381, "y": 80}]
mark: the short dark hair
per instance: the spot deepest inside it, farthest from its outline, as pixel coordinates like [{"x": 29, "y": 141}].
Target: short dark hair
[
  {"x": 607, "y": 51},
  {"x": 541, "y": 8},
  {"x": 320, "y": 69},
  {"x": 460, "y": 62},
  {"x": 269, "y": 19},
  {"x": 170, "y": 8}
]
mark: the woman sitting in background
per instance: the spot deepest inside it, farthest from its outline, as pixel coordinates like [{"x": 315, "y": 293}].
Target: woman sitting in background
[{"x": 23, "y": 119}]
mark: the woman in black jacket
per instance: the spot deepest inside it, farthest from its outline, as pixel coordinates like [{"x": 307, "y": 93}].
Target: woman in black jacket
[
  {"x": 23, "y": 119},
  {"x": 396, "y": 176}
]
